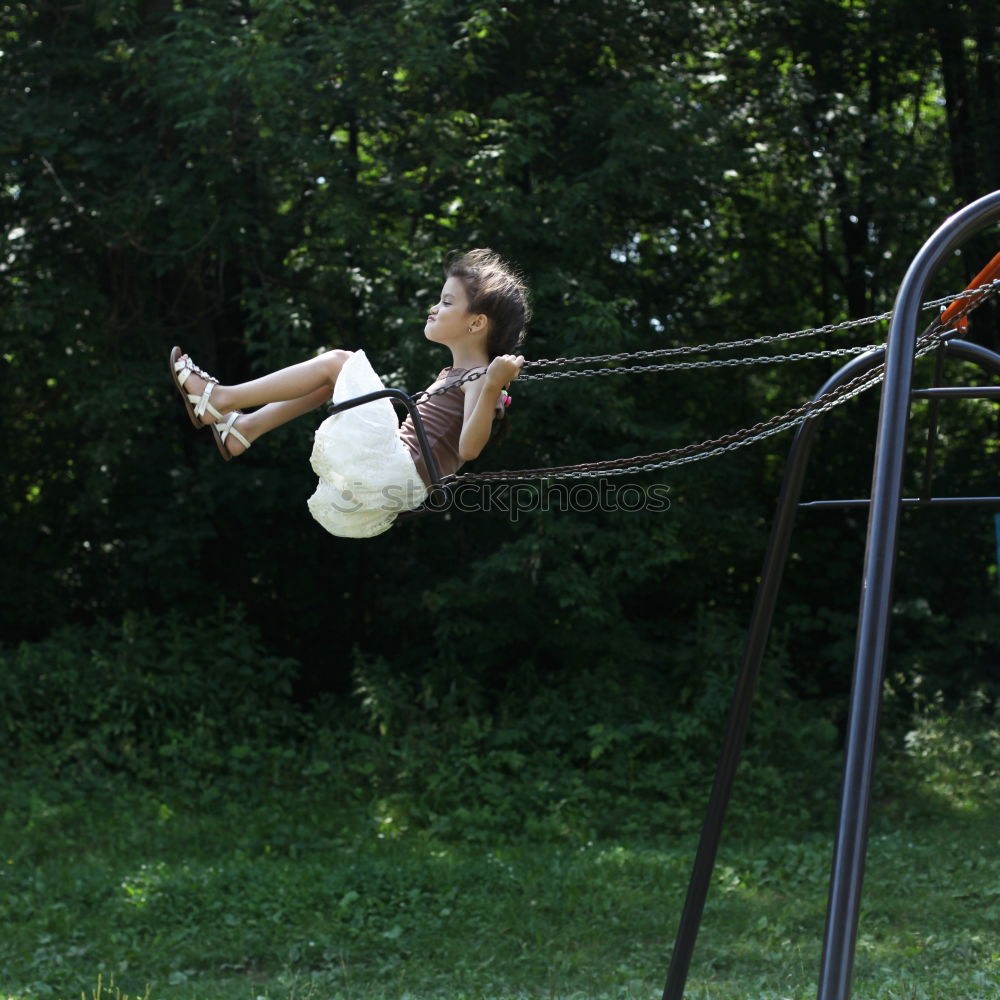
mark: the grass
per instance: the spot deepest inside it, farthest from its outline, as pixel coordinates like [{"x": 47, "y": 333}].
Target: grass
[{"x": 278, "y": 894}]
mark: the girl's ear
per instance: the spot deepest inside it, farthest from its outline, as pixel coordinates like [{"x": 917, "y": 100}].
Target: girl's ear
[{"x": 478, "y": 324}]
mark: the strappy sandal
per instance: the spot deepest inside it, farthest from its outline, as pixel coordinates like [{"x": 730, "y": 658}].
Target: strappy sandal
[
  {"x": 221, "y": 431},
  {"x": 181, "y": 369}
]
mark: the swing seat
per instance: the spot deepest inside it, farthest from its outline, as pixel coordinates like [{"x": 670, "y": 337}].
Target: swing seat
[{"x": 435, "y": 488}]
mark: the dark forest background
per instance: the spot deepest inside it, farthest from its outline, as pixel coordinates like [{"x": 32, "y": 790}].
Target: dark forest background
[{"x": 256, "y": 179}]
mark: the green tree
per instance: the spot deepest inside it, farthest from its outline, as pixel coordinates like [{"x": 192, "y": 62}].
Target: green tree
[{"x": 256, "y": 179}]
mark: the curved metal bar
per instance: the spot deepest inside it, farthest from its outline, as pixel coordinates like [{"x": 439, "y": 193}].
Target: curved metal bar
[
  {"x": 964, "y": 350},
  {"x": 775, "y": 558},
  {"x": 871, "y": 647},
  {"x": 403, "y": 397}
]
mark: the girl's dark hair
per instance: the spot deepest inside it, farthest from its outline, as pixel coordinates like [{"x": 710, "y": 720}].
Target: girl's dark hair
[{"x": 497, "y": 291}]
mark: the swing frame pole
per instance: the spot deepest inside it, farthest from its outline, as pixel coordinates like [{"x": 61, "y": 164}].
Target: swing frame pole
[
  {"x": 871, "y": 647},
  {"x": 757, "y": 635},
  {"x": 772, "y": 570},
  {"x": 884, "y": 505}
]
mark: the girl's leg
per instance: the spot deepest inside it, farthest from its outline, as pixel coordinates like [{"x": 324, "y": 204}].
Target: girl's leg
[
  {"x": 292, "y": 383},
  {"x": 254, "y": 425}
]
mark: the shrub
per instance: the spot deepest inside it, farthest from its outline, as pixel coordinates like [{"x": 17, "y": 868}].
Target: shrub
[
  {"x": 132, "y": 695},
  {"x": 951, "y": 759},
  {"x": 604, "y": 749}
]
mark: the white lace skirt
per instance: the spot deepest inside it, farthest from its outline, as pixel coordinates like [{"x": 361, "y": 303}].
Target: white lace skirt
[{"x": 366, "y": 474}]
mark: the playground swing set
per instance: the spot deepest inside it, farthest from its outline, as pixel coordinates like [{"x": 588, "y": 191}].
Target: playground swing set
[{"x": 890, "y": 364}]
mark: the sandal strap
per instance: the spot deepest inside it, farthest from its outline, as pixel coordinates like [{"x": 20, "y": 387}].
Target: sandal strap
[
  {"x": 201, "y": 403},
  {"x": 185, "y": 367},
  {"x": 227, "y": 427}
]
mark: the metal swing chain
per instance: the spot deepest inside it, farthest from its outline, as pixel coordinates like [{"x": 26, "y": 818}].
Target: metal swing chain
[
  {"x": 925, "y": 343},
  {"x": 678, "y": 366},
  {"x": 767, "y": 359},
  {"x": 703, "y": 449},
  {"x": 975, "y": 295},
  {"x": 721, "y": 345}
]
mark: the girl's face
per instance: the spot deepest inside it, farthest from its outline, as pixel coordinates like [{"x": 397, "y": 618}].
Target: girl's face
[{"x": 450, "y": 319}]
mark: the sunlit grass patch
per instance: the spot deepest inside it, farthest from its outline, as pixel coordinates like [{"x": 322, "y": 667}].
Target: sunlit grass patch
[{"x": 285, "y": 890}]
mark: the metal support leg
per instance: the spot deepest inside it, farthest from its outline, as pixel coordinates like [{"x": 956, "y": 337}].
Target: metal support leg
[
  {"x": 871, "y": 647},
  {"x": 760, "y": 626}
]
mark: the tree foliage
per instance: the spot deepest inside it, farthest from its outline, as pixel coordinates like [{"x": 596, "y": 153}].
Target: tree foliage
[{"x": 254, "y": 179}]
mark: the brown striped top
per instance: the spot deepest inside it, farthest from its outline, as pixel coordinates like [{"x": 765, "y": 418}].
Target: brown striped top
[{"x": 442, "y": 417}]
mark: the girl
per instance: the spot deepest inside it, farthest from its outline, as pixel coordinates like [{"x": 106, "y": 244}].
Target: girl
[{"x": 370, "y": 468}]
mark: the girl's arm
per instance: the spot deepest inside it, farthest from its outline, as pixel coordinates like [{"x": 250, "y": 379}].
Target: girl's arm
[{"x": 481, "y": 399}]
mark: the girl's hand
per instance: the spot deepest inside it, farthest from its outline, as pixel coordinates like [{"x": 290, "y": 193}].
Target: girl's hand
[{"x": 504, "y": 369}]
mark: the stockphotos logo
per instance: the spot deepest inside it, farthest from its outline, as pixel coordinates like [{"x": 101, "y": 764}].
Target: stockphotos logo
[{"x": 516, "y": 499}]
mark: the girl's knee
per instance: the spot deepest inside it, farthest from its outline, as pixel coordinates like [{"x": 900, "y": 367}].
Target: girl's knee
[{"x": 333, "y": 361}]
